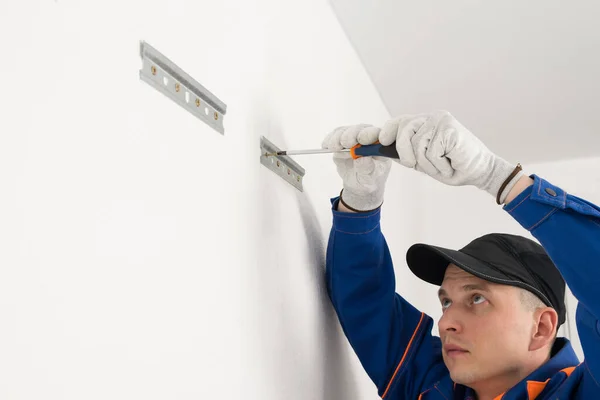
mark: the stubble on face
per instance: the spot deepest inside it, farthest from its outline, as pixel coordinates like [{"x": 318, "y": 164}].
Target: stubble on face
[{"x": 491, "y": 332}]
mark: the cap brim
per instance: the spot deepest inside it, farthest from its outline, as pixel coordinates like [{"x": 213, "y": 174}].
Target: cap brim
[{"x": 429, "y": 263}]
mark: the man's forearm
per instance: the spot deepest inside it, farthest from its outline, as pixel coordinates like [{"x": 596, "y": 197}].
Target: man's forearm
[
  {"x": 343, "y": 208},
  {"x": 521, "y": 185}
]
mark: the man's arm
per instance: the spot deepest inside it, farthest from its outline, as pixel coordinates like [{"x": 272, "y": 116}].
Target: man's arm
[
  {"x": 391, "y": 338},
  {"x": 568, "y": 227},
  {"x": 519, "y": 187},
  {"x": 569, "y": 230}
]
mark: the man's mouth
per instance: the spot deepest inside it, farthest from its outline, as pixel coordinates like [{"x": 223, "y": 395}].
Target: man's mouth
[{"x": 454, "y": 350}]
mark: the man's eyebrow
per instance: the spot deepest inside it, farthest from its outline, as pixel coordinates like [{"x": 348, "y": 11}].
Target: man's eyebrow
[{"x": 468, "y": 288}]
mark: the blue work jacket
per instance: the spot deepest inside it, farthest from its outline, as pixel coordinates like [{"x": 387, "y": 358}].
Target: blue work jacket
[{"x": 393, "y": 339}]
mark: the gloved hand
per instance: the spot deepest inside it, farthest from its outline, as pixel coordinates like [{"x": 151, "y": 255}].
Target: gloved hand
[
  {"x": 438, "y": 145},
  {"x": 364, "y": 178}
]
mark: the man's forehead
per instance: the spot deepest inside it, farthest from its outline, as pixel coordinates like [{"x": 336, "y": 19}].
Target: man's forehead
[
  {"x": 454, "y": 272},
  {"x": 455, "y": 275},
  {"x": 457, "y": 279}
]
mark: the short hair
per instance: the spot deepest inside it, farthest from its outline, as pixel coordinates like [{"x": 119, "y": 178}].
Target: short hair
[{"x": 531, "y": 303}]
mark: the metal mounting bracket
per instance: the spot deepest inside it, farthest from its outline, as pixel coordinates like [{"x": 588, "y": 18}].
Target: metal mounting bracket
[
  {"x": 283, "y": 166},
  {"x": 166, "y": 77}
]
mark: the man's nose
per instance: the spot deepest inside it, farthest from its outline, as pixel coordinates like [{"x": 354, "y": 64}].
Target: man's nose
[{"x": 450, "y": 321}]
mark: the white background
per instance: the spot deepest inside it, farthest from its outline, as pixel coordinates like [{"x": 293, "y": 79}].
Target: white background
[{"x": 145, "y": 256}]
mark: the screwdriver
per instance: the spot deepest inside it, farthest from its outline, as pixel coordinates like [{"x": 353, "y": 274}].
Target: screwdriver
[{"x": 357, "y": 151}]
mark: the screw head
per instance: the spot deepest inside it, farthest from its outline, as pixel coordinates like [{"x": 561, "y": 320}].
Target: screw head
[
  {"x": 278, "y": 163},
  {"x": 197, "y": 102},
  {"x": 216, "y": 115},
  {"x": 153, "y": 69},
  {"x": 177, "y": 87}
]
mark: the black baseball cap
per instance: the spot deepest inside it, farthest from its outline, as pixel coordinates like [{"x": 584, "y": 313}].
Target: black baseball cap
[{"x": 497, "y": 257}]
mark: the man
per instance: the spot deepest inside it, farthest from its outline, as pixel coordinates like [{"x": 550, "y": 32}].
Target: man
[{"x": 502, "y": 296}]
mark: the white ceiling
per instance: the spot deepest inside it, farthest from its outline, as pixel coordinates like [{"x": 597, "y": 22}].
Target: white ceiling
[{"x": 522, "y": 75}]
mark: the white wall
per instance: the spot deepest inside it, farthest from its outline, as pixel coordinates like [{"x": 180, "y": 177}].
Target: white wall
[
  {"x": 477, "y": 58},
  {"x": 145, "y": 256}
]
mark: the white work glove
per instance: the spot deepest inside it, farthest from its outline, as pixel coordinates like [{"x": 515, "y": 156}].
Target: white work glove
[
  {"x": 364, "y": 178},
  {"x": 438, "y": 145}
]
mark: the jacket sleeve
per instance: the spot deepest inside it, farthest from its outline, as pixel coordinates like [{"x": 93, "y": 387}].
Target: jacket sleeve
[
  {"x": 568, "y": 228},
  {"x": 391, "y": 338}
]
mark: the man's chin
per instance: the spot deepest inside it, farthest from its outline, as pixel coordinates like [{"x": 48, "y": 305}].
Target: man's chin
[{"x": 463, "y": 376}]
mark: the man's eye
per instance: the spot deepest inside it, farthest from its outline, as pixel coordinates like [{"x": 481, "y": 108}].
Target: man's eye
[
  {"x": 478, "y": 299},
  {"x": 446, "y": 303}
]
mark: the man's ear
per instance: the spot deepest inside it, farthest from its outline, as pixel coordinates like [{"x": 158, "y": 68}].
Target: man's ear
[{"x": 546, "y": 320}]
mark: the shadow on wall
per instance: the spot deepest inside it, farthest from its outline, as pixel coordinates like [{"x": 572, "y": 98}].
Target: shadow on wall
[
  {"x": 303, "y": 351},
  {"x": 338, "y": 380}
]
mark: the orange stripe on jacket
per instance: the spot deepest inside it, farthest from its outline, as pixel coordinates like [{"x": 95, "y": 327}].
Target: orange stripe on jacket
[
  {"x": 534, "y": 388},
  {"x": 403, "y": 357}
]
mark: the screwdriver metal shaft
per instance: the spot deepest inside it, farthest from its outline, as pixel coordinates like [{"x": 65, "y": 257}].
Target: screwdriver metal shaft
[
  {"x": 300, "y": 152},
  {"x": 357, "y": 151}
]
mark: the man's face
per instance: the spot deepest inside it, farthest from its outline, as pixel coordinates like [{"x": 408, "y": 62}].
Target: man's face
[{"x": 485, "y": 330}]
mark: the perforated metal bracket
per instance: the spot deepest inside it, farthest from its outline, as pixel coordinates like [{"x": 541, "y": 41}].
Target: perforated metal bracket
[
  {"x": 284, "y": 166},
  {"x": 166, "y": 77}
]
